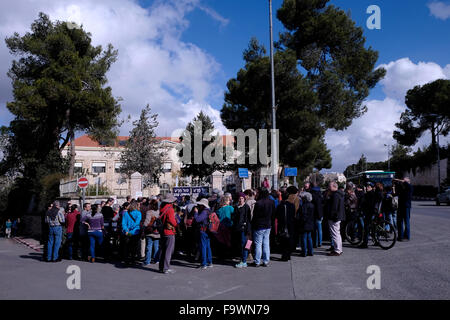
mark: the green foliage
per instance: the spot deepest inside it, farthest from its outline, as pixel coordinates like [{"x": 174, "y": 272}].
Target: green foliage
[
  {"x": 190, "y": 167},
  {"x": 428, "y": 110},
  {"x": 59, "y": 87},
  {"x": 323, "y": 73},
  {"x": 143, "y": 152}
]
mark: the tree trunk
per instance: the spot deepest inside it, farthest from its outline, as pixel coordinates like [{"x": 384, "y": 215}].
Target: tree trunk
[{"x": 72, "y": 154}]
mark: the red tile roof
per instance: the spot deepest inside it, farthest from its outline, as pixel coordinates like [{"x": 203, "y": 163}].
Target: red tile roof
[{"x": 86, "y": 141}]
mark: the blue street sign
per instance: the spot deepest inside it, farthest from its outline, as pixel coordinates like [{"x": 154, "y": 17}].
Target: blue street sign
[
  {"x": 181, "y": 191},
  {"x": 243, "y": 172},
  {"x": 290, "y": 172}
]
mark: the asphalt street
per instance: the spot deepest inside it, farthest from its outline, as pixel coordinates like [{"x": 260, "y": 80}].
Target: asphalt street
[{"x": 418, "y": 269}]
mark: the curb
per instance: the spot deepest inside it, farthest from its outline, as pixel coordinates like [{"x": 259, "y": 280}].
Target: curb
[{"x": 34, "y": 246}]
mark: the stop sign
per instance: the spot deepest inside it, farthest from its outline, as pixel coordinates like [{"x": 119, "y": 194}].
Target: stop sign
[{"x": 83, "y": 182}]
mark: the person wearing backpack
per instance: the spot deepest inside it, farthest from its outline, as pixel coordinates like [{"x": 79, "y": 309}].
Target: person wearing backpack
[
  {"x": 285, "y": 215},
  {"x": 306, "y": 215},
  {"x": 169, "y": 224},
  {"x": 152, "y": 235},
  {"x": 131, "y": 220},
  {"x": 201, "y": 218}
]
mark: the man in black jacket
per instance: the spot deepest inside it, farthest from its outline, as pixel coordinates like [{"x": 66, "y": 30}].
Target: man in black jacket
[
  {"x": 368, "y": 208},
  {"x": 335, "y": 213},
  {"x": 261, "y": 225}
]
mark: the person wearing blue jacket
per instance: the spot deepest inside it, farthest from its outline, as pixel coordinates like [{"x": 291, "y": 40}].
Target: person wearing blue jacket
[
  {"x": 201, "y": 217},
  {"x": 131, "y": 220}
]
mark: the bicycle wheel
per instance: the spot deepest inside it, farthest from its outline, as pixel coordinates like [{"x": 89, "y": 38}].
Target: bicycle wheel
[
  {"x": 354, "y": 232},
  {"x": 385, "y": 234}
]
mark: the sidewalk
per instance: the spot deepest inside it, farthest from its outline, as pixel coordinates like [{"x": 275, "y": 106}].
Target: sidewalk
[{"x": 31, "y": 243}]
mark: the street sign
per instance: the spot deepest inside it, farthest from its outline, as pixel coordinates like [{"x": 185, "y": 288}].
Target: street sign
[
  {"x": 243, "y": 172},
  {"x": 83, "y": 182},
  {"x": 181, "y": 191},
  {"x": 290, "y": 172}
]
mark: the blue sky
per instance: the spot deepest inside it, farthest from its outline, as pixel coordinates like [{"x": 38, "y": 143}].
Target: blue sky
[{"x": 177, "y": 55}]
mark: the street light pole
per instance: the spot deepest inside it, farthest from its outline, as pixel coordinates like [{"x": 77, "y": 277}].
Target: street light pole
[
  {"x": 389, "y": 156},
  {"x": 274, "y": 135}
]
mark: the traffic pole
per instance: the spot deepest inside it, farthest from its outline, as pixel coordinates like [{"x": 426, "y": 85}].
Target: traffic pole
[{"x": 274, "y": 126}]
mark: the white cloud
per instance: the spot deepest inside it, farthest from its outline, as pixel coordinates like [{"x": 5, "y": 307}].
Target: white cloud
[
  {"x": 439, "y": 9},
  {"x": 154, "y": 65},
  {"x": 403, "y": 75},
  {"x": 367, "y": 135}
]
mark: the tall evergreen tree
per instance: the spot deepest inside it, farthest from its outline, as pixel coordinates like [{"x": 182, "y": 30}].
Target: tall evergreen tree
[
  {"x": 143, "y": 152},
  {"x": 59, "y": 87},
  {"x": 428, "y": 110},
  {"x": 323, "y": 73},
  {"x": 201, "y": 124}
]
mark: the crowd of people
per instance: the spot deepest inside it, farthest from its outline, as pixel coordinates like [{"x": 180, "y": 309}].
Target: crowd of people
[{"x": 248, "y": 225}]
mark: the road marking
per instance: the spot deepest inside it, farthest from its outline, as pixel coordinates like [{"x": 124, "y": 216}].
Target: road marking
[{"x": 221, "y": 292}]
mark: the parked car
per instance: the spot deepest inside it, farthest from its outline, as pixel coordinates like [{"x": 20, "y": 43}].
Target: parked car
[{"x": 443, "y": 197}]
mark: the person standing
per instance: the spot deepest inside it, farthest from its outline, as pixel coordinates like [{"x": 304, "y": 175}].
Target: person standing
[
  {"x": 84, "y": 237},
  {"x": 404, "y": 209},
  {"x": 243, "y": 228},
  {"x": 335, "y": 213},
  {"x": 306, "y": 217},
  {"x": 261, "y": 225},
  {"x": 317, "y": 200},
  {"x": 55, "y": 219},
  {"x": 73, "y": 232},
  {"x": 131, "y": 229},
  {"x": 95, "y": 224},
  {"x": 152, "y": 235},
  {"x": 8, "y": 225},
  {"x": 285, "y": 215},
  {"x": 368, "y": 207},
  {"x": 201, "y": 217},
  {"x": 167, "y": 216},
  {"x": 225, "y": 214},
  {"x": 108, "y": 215}
]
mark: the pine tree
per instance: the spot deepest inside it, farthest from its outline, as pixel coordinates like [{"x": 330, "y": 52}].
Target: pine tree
[{"x": 144, "y": 153}]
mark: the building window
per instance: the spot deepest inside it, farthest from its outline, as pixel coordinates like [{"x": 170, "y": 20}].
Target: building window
[
  {"x": 98, "y": 167},
  {"x": 117, "y": 166},
  {"x": 167, "y": 167},
  {"x": 78, "y": 167}
]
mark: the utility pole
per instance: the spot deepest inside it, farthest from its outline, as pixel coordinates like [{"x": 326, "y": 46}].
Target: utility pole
[
  {"x": 438, "y": 131},
  {"x": 389, "y": 156},
  {"x": 274, "y": 134}
]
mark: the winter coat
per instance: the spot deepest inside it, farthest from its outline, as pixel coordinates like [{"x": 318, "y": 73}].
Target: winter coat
[
  {"x": 334, "y": 206},
  {"x": 243, "y": 219},
  {"x": 285, "y": 215},
  {"x": 262, "y": 214},
  {"x": 306, "y": 217}
]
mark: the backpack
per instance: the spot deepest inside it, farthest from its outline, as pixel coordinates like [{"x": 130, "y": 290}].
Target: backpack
[
  {"x": 157, "y": 225},
  {"x": 214, "y": 222}
]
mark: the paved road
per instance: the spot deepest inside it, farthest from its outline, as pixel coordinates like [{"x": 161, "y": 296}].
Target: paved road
[{"x": 419, "y": 269}]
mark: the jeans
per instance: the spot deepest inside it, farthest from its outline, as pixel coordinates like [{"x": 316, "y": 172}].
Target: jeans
[
  {"x": 307, "y": 243},
  {"x": 205, "y": 244},
  {"x": 318, "y": 233},
  {"x": 244, "y": 252},
  {"x": 262, "y": 245},
  {"x": 151, "y": 249},
  {"x": 403, "y": 218},
  {"x": 72, "y": 244},
  {"x": 54, "y": 242},
  {"x": 95, "y": 237}
]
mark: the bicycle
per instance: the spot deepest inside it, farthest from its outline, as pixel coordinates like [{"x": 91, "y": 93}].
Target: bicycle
[{"x": 382, "y": 232}]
